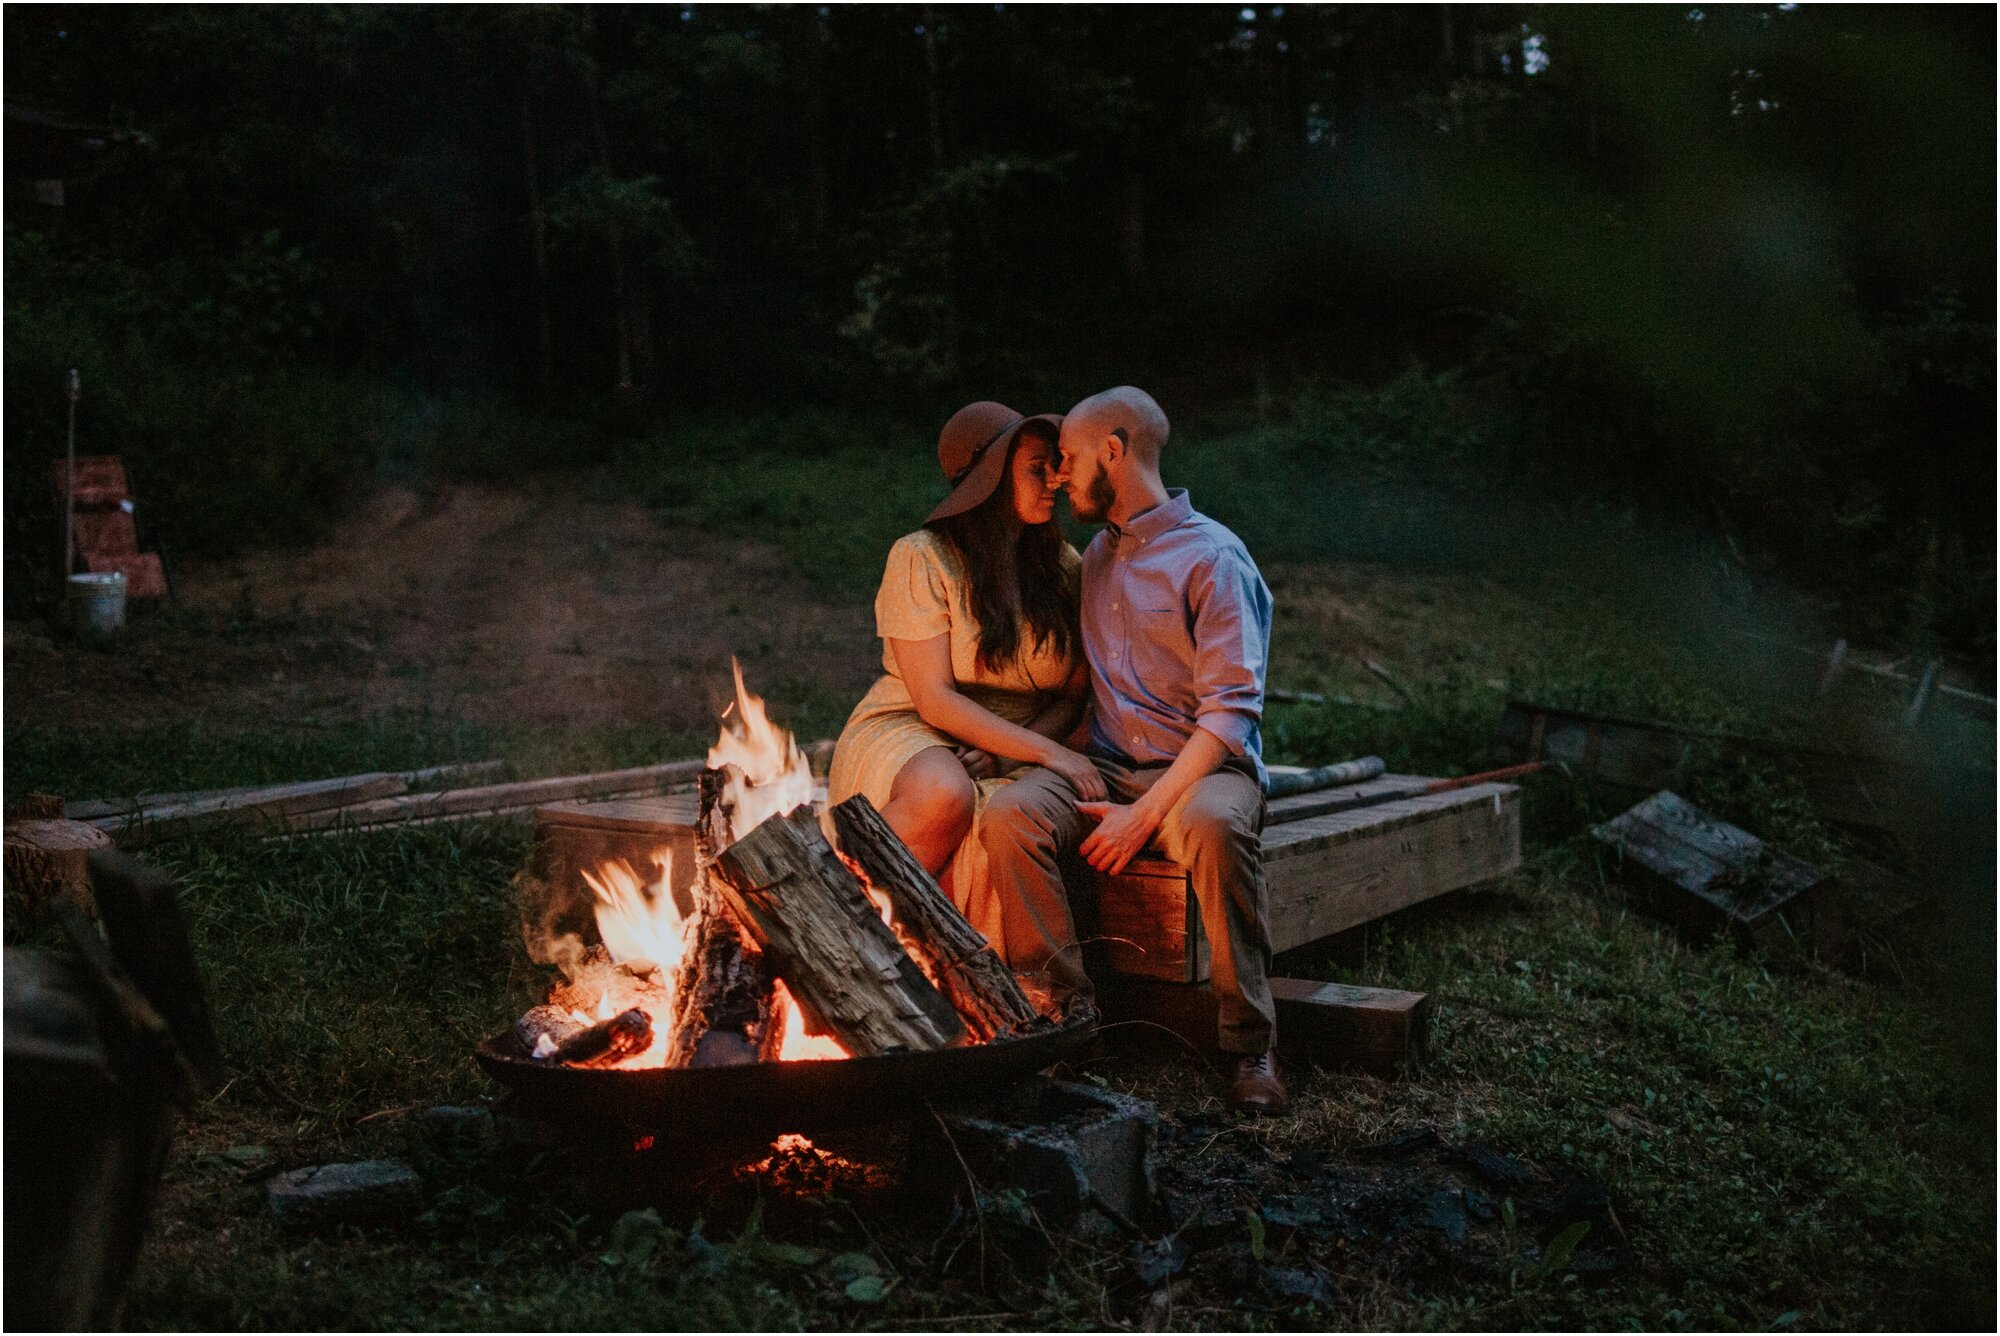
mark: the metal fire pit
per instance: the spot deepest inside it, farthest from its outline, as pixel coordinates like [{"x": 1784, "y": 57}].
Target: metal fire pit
[{"x": 758, "y": 1101}]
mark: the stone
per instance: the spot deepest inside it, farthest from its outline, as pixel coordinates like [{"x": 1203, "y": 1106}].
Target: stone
[{"x": 347, "y": 1193}]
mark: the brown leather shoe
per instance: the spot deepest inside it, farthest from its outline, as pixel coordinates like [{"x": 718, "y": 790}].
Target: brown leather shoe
[{"x": 1256, "y": 1086}]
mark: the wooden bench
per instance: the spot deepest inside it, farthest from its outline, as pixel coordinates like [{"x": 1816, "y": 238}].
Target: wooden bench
[{"x": 1327, "y": 873}]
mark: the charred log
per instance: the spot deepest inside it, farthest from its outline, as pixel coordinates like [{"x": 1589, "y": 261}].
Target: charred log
[
  {"x": 954, "y": 955},
  {"x": 552, "y": 1023},
  {"x": 607, "y": 1042},
  {"x": 722, "y": 993},
  {"x": 849, "y": 975}
]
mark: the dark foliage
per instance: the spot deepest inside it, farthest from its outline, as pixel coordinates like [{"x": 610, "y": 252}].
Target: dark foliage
[{"x": 1736, "y": 264}]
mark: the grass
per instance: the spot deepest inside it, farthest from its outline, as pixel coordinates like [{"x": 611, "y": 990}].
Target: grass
[
  {"x": 1787, "y": 1145},
  {"x": 1778, "y": 1137}
]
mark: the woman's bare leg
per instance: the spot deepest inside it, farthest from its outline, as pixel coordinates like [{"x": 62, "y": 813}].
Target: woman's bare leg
[{"x": 930, "y": 806}]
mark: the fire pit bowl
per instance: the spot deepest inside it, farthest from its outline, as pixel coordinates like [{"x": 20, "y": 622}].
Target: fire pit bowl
[{"x": 759, "y": 1101}]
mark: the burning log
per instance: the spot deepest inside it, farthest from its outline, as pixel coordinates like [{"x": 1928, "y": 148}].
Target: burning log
[
  {"x": 545, "y": 1022},
  {"x": 954, "y": 955},
  {"x": 722, "y": 992},
  {"x": 606, "y": 1042},
  {"x": 841, "y": 963}
]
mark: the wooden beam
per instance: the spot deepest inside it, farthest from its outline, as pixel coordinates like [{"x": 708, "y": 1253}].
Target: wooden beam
[
  {"x": 1331, "y": 873},
  {"x": 1380, "y": 1031},
  {"x": 277, "y": 802},
  {"x": 497, "y": 798}
]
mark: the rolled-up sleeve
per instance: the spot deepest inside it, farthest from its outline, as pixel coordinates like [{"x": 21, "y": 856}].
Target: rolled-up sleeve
[{"x": 1232, "y": 639}]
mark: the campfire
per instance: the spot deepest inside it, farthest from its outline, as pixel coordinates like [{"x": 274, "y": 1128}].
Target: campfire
[{"x": 782, "y": 949}]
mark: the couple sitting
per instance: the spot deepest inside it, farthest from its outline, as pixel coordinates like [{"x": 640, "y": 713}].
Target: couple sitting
[{"x": 1039, "y": 705}]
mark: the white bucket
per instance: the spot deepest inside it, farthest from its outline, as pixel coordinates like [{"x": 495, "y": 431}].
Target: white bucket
[{"x": 97, "y": 602}]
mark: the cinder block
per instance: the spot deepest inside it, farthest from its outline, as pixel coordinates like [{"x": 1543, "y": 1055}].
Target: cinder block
[{"x": 1071, "y": 1148}]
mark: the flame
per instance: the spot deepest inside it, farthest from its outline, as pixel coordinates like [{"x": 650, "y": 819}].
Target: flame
[
  {"x": 797, "y": 1045},
  {"x": 640, "y": 925},
  {"x": 771, "y": 775}
]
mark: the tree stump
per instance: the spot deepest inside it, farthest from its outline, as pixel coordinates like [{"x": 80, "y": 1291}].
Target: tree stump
[
  {"x": 843, "y": 966},
  {"x": 46, "y": 859},
  {"x": 954, "y": 955}
]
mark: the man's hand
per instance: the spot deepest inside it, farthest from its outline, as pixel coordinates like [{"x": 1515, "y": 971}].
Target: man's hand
[
  {"x": 978, "y": 764},
  {"x": 1123, "y": 829}
]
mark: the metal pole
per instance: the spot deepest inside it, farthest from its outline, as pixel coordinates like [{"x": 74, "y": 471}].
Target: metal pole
[{"x": 69, "y": 483}]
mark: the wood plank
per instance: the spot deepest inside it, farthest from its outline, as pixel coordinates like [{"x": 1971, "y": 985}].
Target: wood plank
[
  {"x": 1324, "y": 881},
  {"x": 1707, "y": 873},
  {"x": 1325, "y": 874},
  {"x": 670, "y": 811},
  {"x": 1300, "y": 806},
  {"x": 89, "y": 809},
  {"x": 493, "y": 798},
  {"x": 233, "y": 807}
]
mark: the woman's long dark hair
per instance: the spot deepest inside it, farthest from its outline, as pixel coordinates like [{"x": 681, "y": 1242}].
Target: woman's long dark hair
[{"x": 1014, "y": 581}]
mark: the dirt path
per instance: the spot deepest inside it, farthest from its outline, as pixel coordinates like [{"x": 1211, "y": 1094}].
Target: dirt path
[{"x": 518, "y": 605}]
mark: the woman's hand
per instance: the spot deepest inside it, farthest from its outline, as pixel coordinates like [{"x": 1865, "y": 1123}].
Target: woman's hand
[
  {"x": 1075, "y": 767},
  {"x": 978, "y": 764}
]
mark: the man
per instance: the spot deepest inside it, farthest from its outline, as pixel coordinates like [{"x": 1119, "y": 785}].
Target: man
[{"x": 1177, "y": 628}]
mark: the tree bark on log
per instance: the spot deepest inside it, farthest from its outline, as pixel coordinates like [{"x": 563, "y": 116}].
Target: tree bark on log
[
  {"x": 954, "y": 955},
  {"x": 722, "y": 994},
  {"x": 843, "y": 966}
]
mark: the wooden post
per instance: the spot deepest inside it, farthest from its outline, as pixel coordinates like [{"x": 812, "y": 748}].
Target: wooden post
[
  {"x": 841, "y": 963},
  {"x": 953, "y": 954}
]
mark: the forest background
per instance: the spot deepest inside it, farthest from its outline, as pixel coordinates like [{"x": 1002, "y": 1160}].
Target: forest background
[{"x": 1730, "y": 268}]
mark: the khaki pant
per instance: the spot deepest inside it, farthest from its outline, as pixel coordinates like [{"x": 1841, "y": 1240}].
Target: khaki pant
[{"x": 1030, "y": 831}]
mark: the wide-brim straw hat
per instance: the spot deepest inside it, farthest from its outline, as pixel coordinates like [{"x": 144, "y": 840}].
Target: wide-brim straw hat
[{"x": 972, "y": 451}]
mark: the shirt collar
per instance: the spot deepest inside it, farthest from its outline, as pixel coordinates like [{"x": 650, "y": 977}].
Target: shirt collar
[{"x": 1150, "y": 524}]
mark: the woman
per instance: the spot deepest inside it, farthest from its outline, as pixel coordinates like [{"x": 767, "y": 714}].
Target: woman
[{"x": 978, "y": 618}]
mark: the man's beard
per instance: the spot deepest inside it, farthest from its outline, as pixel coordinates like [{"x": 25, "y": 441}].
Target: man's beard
[{"x": 1097, "y": 500}]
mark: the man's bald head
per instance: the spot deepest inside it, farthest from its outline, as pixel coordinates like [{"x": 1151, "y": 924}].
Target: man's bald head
[
  {"x": 1127, "y": 410},
  {"x": 1111, "y": 450}
]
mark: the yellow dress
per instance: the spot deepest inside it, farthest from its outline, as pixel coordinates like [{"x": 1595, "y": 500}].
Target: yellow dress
[{"x": 924, "y": 594}]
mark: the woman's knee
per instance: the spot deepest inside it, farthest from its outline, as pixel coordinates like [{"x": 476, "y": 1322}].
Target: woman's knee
[{"x": 935, "y": 792}]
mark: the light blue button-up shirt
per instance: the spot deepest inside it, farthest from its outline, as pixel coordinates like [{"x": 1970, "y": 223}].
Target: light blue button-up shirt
[{"x": 1177, "y": 627}]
